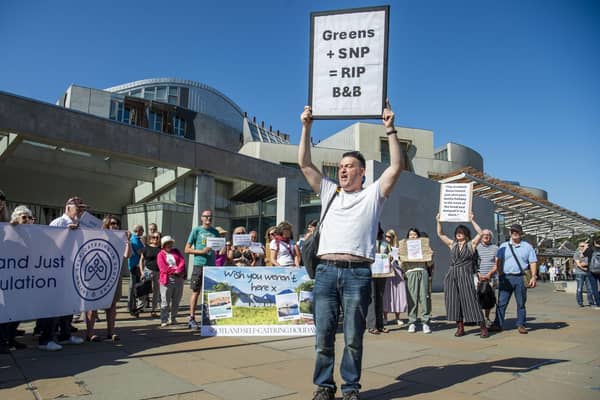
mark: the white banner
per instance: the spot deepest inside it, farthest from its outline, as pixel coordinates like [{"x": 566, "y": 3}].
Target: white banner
[
  {"x": 348, "y": 75},
  {"x": 456, "y": 202},
  {"x": 48, "y": 271}
]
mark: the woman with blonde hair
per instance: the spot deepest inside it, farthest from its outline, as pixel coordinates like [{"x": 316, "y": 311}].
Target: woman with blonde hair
[{"x": 394, "y": 296}]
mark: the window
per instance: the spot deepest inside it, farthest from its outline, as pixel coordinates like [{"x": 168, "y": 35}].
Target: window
[
  {"x": 222, "y": 194},
  {"x": 136, "y": 93},
  {"x": 155, "y": 121},
  {"x": 116, "y": 110},
  {"x": 330, "y": 171},
  {"x": 441, "y": 155},
  {"x": 254, "y": 132},
  {"x": 161, "y": 93},
  {"x": 150, "y": 93},
  {"x": 173, "y": 94},
  {"x": 385, "y": 152},
  {"x": 179, "y": 126}
]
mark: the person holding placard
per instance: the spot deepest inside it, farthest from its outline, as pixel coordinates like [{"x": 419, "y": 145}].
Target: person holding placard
[
  {"x": 258, "y": 249},
  {"x": 221, "y": 257},
  {"x": 346, "y": 251},
  {"x": 203, "y": 255},
  {"x": 417, "y": 284},
  {"x": 394, "y": 295},
  {"x": 460, "y": 294},
  {"x": 376, "y": 315},
  {"x": 240, "y": 255}
]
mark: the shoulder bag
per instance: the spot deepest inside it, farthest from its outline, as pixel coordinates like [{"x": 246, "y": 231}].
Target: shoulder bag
[
  {"x": 311, "y": 245},
  {"x": 525, "y": 273}
]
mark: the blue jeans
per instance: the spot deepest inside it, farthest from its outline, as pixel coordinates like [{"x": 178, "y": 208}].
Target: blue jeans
[
  {"x": 509, "y": 284},
  {"x": 335, "y": 289},
  {"x": 590, "y": 285}
]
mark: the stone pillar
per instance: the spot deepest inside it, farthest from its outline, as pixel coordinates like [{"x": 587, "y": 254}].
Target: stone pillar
[
  {"x": 287, "y": 203},
  {"x": 204, "y": 198}
]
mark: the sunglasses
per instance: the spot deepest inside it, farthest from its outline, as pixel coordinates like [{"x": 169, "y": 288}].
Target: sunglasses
[
  {"x": 154, "y": 237},
  {"x": 114, "y": 223},
  {"x": 26, "y": 217}
]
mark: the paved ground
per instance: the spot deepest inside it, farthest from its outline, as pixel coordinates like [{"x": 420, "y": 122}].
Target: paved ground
[{"x": 558, "y": 359}]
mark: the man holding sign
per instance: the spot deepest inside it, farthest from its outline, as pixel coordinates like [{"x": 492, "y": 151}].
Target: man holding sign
[{"x": 346, "y": 252}]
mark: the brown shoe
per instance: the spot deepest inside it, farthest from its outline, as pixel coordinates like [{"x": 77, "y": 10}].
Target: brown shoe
[
  {"x": 460, "y": 329},
  {"x": 522, "y": 330},
  {"x": 484, "y": 331}
]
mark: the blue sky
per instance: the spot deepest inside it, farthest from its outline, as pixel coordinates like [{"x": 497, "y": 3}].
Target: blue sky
[{"x": 518, "y": 81}]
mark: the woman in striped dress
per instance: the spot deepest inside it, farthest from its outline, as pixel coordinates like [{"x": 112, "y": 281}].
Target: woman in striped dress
[{"x": 460, "y": 294}]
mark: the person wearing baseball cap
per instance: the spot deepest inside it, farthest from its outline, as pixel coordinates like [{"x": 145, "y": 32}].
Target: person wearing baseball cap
[{"x": 514, "y": 259}]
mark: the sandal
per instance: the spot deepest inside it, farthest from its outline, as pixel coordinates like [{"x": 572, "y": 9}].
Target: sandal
[
  {"x": 93, "y": 338},
  {"x": 374, "y": 332}
]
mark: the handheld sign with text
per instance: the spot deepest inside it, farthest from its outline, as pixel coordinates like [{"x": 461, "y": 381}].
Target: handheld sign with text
[
  {"x": 456, "y": 202},
  {"x": 242, "y": 239},
  {"x": 215, "y": 243},
  {"x": 348, "y": 63},
  {"x": 415, "y": 250},
  {"x": 381, "y": 267}
]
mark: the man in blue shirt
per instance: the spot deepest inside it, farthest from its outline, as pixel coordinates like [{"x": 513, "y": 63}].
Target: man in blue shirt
[
  {"x": 134, "y": 271},
  {"x": 513, "y": 259}
]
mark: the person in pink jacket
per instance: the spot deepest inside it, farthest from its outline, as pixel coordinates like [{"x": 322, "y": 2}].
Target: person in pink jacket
[{"x": 171, "y": 265}]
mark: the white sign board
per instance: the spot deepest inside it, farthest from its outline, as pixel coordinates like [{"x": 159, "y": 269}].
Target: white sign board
[
  {"x": 414, "y": 250},
  {"x": 455, "y": 202},
  {"x": 348, "y": 68},
  {"x": 242, "y": 239},
  {"x": 47, "y": 271},
  {"x": 215, "y": 243},
  {"x": 87, "y": 220}
]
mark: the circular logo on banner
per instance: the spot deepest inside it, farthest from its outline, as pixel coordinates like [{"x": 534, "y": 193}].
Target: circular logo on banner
[{"x": 95, "y": 270}]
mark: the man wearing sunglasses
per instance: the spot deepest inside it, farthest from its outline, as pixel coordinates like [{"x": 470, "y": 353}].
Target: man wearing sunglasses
[{"x": 203, "y": 255}]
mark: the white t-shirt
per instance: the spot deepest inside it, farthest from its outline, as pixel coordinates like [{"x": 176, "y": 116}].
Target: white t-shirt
[
  {"x": 350, "y": 226},
  {"x": 285, "y": 251},
  {"x": 63, "y": 221}
]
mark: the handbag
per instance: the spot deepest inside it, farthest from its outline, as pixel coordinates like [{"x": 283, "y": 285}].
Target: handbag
[
  {"x": 311, "y": 245},
  {"x": 525, "y": 273},
  {"x": 486, "y": 295},
  {"x": 143, "y": 288}
]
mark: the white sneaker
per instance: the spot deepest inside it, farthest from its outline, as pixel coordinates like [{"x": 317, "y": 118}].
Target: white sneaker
[
  {"x": 400, "y": 322},
  {"x": 50, "y": 346},
  {"x": 72, "y": 340},
  {"x": 412, "y": 328},
  {"x": 426, "y": 328},
  {"x": 192, "y": 324},
  {"x": 488, "y": 323},
  {"x": 163, "y": 324}
]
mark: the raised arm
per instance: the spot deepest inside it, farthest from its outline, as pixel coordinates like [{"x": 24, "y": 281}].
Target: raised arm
[
  {"x": 391, "y": 173},
  {"x": 311, "y": 173},
  {"x": 445, "y": 239},
  {"x": 477, "y": 237}
]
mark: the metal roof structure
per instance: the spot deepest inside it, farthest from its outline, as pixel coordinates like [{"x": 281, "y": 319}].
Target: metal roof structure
[{"x": 537, "y": 216}]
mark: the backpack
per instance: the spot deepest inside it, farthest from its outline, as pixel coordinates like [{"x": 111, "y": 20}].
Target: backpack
[{"x": 594, "y": 264}]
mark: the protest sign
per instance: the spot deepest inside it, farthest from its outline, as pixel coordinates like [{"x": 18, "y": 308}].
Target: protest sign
[
  {"x": 47, "y": 271},
  {"x": 257, "y": 301},
  {"x": 348, "y": 63},
  {"x": 87, "y": 220},
  {"x": 415, "y": 250},
  {"x": 242, "y": 239},
  {"x": 215, "y": 243},
  {"x": 381, "y": 267},
  {"x": 456, "y": 202}
]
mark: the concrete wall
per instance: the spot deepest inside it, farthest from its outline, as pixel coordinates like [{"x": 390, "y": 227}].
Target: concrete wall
[
  {"x": 214, "y": 133},
  {"x": 91, "y": 101},
  {"x": 465, "y": 156}
]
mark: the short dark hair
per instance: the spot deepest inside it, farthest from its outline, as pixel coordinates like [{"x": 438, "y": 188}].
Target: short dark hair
[
  {"x": 357, "y": 155},
  {"x": 464, "y": 230}
]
